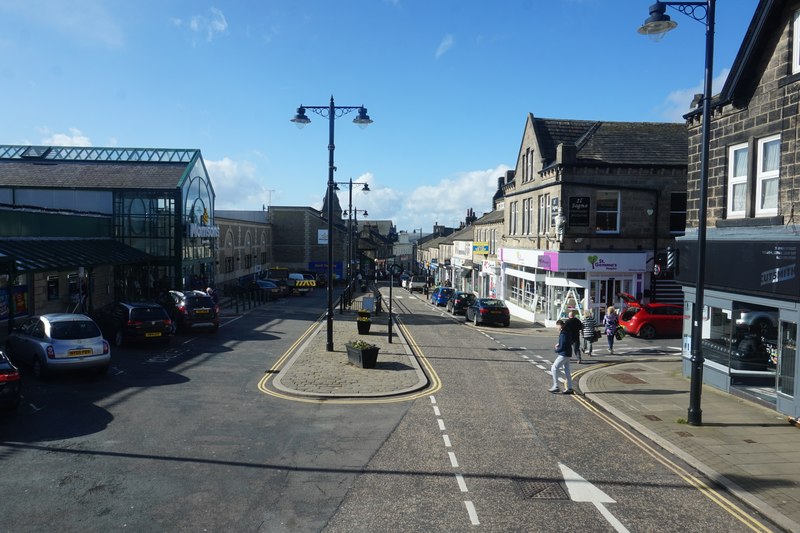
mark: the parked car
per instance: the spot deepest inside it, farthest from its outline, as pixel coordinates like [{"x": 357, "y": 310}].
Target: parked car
[
  {"x": 285, "y": 290},
  {"x": 190, "y": 310},
  {"x": 417, "y": 283},
  {"x": 271, "y": 288},
  {"x": 300, "y": 284},
  {"x": 650, "y": 320},
  {"x": 10, "y": 384},
  {"x": 124, "y": 322},
  {"x": 763, "y": 322},
  {"x": 440, "y": 295},
  {"x": 404, "y": 279},
  {"x": 459, "y": 301},
  {"x": 58, "y": 341},
  {"x": 488, "y": 311}
]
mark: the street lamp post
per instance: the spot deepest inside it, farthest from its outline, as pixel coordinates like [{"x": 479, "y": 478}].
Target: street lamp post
[
  {"x": 331, "y": 112},
  {"x": 352, "y": 218},
  {"x": 656, "y": 25},
  {"x": 349, "y": 214}
]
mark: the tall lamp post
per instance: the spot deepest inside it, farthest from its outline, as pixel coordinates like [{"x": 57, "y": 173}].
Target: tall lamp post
[
  {"x": 331, "y": 112},
  {"x": 656, "y": 25},
  {"x": 352, "y": 218},
  {"x": 349, "y": 214}
]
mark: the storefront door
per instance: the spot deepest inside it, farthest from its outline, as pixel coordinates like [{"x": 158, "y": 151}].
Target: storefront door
[{"x": 604, "y": 293}]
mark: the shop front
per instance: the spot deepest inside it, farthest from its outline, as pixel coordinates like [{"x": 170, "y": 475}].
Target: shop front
[
  {"x": 544, "y": 286},
  {"x": 750, "y": 317}
]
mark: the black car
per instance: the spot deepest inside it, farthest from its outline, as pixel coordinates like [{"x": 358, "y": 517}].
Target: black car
[
  {"x": 124, "y": 322},
  {"x": 459, "y": 301},
  {"x": 10, "y": 384},
  {"x": 191, "y": 310},
  {"x": 488, "y": 311}
]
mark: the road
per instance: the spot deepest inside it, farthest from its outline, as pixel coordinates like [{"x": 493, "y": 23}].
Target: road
[{"x": 181, "y": 439}]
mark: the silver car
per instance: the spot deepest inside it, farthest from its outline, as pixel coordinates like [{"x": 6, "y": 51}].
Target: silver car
[{"x": 58, "y": 341}]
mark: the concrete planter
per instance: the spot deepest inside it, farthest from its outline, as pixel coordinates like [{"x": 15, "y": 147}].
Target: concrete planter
[{"x": 363, "y": 326}]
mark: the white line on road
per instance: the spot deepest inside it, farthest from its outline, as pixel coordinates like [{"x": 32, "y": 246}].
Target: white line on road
[
  {"x": 525, "y": 357},
  {"x": 433, "y": 399},
  {"x": 441, "y": 423},
  {"x": 540, "y": 366},
  {"x": 462, "y": 485},
  {"x": 473, "y": 516},
  {"x": 453, "y": 460},
  {"x": 436, "y": 410},
  {"x": 447, "y": 441}
]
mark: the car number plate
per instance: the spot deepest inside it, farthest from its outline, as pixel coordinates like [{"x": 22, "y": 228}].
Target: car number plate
[
  {"x": 153, "y": 334},
  {"x": 76, "y": 353},
  {"x": 201, "y": 311},
  {"x": 496, "y": 312}
]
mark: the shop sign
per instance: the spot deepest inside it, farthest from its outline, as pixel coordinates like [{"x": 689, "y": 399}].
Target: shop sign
[
  {"x": 579, "y": 211},
  {"x": 592, "y": 262},
  {"x": 205, "y": 232},
  {"x": 480, "y": 247}
]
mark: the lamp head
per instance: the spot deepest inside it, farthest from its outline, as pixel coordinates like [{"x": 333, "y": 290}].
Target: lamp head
[
  {"x": 300, "y": 119},
  {"x": 658, "y": 23},
  {"x": 362, "y": 120},
  {"x": 365, "y": 188}
]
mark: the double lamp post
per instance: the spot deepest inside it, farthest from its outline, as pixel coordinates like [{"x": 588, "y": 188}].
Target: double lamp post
[
  {"x": 331, "y": 112},
  {"x": 656, "y": 25}
]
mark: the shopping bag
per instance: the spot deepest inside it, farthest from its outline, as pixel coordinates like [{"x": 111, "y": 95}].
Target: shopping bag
[{"x": 620, "y": 333}]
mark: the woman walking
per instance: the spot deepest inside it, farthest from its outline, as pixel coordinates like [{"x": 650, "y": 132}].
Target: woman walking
[
  {"x": 610, "y": 325},
  {"x": 587, "y": 332}
]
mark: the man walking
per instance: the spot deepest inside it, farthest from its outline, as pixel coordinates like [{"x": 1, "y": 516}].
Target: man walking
[
  {"x": 573, "y": 326},
  {"x": 563, "y": 349}
]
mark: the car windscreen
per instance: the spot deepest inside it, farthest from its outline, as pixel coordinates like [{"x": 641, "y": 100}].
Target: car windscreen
[
  {"x": 148, "y": 313},
  {"x": 492, "y": 303},
  {"x": 199, "y": 301},
  {"x": 447, "y": 292},
  {"x": 74, "y": 329}
]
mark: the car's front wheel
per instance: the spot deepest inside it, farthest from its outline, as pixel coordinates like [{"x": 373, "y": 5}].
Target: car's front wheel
[
  {"x": 119, "y": 338},
  {"x": 39, "y": 368}
]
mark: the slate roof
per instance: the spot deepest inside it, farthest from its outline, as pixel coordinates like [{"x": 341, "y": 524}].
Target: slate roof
[
  {"x": 614, "y": 143},
  {"x": 90, "y": 175},
  {"x": 491, "y": 217}
]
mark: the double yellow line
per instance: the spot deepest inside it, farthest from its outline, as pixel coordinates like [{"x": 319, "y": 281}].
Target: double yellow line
[
  {"x": 732, "y": 508},
  {"x": 434, "y": 385}
]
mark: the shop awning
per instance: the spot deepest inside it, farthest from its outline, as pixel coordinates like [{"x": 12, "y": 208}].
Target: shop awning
[{"x": 39, "y": 255}]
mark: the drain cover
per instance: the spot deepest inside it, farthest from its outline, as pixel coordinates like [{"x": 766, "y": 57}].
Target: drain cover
[{"x": 541, "y": 490}]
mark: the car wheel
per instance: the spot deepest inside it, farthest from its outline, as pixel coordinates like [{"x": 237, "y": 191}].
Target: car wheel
[
  {"x": 118, "y": 338},
  {"x": 647, "y": 332},
  {"x": 762, "y": 327},
  {"x": 475, "y": 319},
  {"x": 39, "y": 368}
]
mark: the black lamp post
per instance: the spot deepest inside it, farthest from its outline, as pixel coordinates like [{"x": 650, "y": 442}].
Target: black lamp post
[
  {"x": 349, "y": 214},
  {"x": 331, "y": 112},
  {"x": 656, "y": 25},
  {"x": 352, "y": 219}
]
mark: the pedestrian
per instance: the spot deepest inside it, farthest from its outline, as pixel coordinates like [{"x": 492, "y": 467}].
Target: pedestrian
[
  {"x": 563, "y": 349},
  {"x": 610, "y": 325},
  {"x": 573, "y": 325},
  {"x": 588, "y": 331}
]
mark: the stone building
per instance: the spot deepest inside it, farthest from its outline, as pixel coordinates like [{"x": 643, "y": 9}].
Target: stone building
[{"x": 751, "y": 286}]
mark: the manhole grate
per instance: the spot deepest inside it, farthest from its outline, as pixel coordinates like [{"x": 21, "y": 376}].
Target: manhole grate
[{"x": 541, "y": 490}]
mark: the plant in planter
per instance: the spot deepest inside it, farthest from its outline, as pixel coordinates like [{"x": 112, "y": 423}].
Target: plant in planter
[
  {"x": 363, "y": 322},
  {"x": 362, "y": 354}
]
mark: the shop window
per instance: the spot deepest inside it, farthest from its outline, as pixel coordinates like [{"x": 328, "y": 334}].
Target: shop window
[
  {"x": 607, "y": 214},
  {"x": 52, "y": 288},
  {"x": 744, "y": 338}
]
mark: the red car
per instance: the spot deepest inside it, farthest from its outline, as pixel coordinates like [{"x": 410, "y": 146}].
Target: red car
[{"x": 650, "y": 320}]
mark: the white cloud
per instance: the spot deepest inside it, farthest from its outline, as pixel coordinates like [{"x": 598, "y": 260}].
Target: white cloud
[
  {"x": 237, "y": 185},
  {"x": 74, "y": 138},
  {"x": 677, "y": 102},
  {"x": 445, "y": 202},
  {"x": 447, "y": 43},
  {"x": 209, "y": 25}
]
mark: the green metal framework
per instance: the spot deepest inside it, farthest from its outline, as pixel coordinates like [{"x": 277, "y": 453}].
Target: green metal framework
[{"x": 82, "y": 153}]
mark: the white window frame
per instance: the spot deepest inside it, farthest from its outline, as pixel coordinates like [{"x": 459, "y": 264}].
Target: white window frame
[
  {"x": 734, "y": 181},
  {"x": 544, "y": 214},
  {"x": 767, "y": 175},
  {"x": 796, "y": 42},
  {"x": 617, "y": 211}
]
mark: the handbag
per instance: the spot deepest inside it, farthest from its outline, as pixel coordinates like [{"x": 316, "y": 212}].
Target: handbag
[
  {"x": 620, "y": 333},
  {"x": 595, "y": 336}
]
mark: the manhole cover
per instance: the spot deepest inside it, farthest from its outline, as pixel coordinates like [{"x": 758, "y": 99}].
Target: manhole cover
[{"x": 541, "y": 490}]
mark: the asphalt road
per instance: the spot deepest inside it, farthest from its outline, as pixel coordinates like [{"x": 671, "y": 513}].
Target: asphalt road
[{"x": 181, "y": 439}]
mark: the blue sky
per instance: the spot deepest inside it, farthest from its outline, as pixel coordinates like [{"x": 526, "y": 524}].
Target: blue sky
[{"x": 448, "y": 83}]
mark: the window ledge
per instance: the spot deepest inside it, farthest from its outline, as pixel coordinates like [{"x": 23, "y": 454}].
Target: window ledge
[
  {"x": 791, "y": 78},
  {"x": 750, "y": 222}
]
